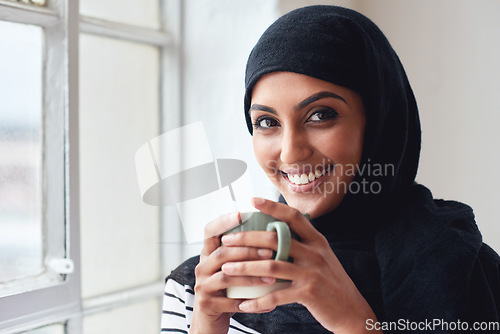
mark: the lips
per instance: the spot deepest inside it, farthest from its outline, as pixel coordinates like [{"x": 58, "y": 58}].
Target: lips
[{"x": 300, "y": 178}]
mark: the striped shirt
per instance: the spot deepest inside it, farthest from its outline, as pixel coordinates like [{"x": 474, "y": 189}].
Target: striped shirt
[{"x": 178, "y": 311}]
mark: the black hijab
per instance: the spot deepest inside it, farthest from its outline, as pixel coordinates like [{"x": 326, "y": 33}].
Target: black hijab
[
  {"x": 344, "y": 47},
  {"x": 411, "y": 256}
]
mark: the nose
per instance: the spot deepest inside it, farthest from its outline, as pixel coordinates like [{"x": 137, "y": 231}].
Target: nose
[{"x": 295, "y": 146}]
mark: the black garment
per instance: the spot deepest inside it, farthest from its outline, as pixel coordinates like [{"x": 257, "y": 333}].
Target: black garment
[
  {"x": 415, "y": 269},
  {"x": 412, "y": 257}
]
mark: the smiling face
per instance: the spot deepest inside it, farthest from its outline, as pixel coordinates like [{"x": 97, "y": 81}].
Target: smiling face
[{"x": 308, "y": 138}]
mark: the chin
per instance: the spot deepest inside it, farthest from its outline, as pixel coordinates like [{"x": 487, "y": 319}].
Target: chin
[{"x": 314, "y": 207}]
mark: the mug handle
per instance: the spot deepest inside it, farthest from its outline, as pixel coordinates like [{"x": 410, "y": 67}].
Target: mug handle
[{"x": 284, "y": 239}]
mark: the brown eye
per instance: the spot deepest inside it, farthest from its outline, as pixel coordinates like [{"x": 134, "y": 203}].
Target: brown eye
[
  {"x": 265, "y": 122},
  {"x": 323, "y": 115}
]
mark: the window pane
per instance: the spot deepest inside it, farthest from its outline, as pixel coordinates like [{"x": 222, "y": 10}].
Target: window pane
[
  {"x": 119, "y": 102},
  {"x": 34, "y": 2},
  {"x": 144, "y": 13},
  {"x": 20, "y": 150},
  {"x": 51, "y": 329}
]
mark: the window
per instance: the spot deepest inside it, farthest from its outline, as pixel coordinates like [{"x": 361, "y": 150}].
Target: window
[
  {"x": 82, "y": 85},
  {"x": 34, "y": 2},
  {"x": 37, "y": 170},
  {"x": 21, "y": 57}
]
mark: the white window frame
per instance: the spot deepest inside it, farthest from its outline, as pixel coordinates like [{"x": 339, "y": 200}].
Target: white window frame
[
  {"x": 52, "y": 295},
  {"x": 59, "y": 301}
]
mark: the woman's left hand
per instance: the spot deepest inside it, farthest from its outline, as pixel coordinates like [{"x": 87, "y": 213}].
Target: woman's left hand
[{"x": 319, "y": 282}]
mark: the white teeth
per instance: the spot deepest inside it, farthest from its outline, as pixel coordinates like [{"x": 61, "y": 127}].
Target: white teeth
[{"x": 306, "y": 178}]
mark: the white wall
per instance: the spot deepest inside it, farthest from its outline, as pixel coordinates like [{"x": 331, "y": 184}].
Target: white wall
[
  {"x": 218, "y": 37},
  {"x": 451, "y": 51}
]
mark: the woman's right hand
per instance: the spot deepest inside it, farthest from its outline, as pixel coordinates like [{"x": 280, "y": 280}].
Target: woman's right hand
[{"x": 212, "y": 309}]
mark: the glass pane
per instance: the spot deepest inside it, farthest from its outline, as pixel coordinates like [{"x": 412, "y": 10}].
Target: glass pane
[
  {"x": 144, "y": 13},
  {"x": 119, "y": 111},
  {"x": 51, "y": 329},
  {"x": 34, "y": 2},
  {"x": 20, "y": 150},
  {"x": 143, "y": 317}
]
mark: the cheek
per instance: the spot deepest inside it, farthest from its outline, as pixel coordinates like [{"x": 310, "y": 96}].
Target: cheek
[
  {"x": 356, "y": 146},
  {"x": 265, "y": 152},
  {"x": 345, "y": 146}
]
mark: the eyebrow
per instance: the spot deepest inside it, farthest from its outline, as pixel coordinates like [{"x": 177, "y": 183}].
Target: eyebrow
[
  {"x": 256, "y": 106},
  {"x": 318, "y": 96},
  {"x": 301, "y": 105}
]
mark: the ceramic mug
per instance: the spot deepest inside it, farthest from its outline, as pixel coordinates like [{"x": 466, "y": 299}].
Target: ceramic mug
[{"x": 258, "y": 221}]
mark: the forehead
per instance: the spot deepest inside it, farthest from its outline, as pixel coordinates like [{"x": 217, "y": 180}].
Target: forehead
[{"x": 289, "y": 87}]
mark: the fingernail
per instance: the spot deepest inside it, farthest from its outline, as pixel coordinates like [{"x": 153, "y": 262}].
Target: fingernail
[
  {"x": 268, "y": 279},
  {"x": 246, "y": 306},
  {"x": 233, "y": 216},
  {"x": 257, "y": 201},
  {"x": 264, "y": 252},
  {"x": 227, "y": 239},
  {"x": 227, "y": 268}
]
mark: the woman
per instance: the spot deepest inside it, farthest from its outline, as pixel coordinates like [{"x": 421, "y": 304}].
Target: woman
[{"x": 335, "y": 127}]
